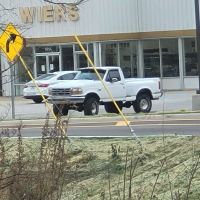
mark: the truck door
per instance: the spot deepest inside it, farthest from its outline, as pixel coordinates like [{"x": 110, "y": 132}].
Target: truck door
[{"x": 115, "y": 84}]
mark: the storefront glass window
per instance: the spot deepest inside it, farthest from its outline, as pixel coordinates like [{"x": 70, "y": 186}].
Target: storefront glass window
[
  {"x": 67, "y": 58},
  {"x": 190, "y": 50},
  {"x": 128, "y": 58},
  {"x": 53, "y": 61},
  {"x": 41, "y": 65},
  {"x": 91, "y": 53},
  {"x": 151, "y": 58},
  {"x": 21, "y": 75},
  {"x": 78, "y": 48},
  {"x": 109, "y": 54},
  {"x": 170, "y": 57},
  {"x": 81, "y": 60}
]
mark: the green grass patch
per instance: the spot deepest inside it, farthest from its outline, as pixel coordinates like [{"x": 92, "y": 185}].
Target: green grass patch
[{"x": 162, "y": 168}]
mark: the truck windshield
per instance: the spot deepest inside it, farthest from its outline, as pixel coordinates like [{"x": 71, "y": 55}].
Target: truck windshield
[{"x": 89, "y": 74}]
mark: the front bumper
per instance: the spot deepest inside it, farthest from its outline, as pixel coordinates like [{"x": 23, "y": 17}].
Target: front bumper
[{"x": 65, "y": 100}]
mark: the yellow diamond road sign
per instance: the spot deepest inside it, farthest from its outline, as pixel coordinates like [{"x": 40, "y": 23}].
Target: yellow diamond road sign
[{"x": 11, "y": 42}]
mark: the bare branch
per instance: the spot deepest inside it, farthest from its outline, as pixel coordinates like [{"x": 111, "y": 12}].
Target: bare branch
[{"x": 76, "y": 3}]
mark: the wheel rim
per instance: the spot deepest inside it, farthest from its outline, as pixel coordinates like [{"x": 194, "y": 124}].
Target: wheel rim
[
  {"x": 144, "y": 104},
  {"x": 94, "y": 108}
]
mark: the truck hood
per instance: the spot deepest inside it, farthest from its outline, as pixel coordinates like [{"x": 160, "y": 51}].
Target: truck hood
[{"x": 75, "y": 84}]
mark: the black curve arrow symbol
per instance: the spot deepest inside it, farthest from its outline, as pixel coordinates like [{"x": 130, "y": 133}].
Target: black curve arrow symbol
[{"x": 12, "y": 38}]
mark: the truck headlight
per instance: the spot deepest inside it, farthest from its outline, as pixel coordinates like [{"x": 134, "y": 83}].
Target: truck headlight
[
  {"x": 50, "y": 91},
  {"x": 75, "y": 91}
]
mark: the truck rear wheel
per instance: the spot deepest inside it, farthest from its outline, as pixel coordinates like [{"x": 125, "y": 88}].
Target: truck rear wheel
[
  {"x": 59, "y": 109},
  {"x": 38, "y": 99},
  {"x": 91, "y": 106},
  {"x": 142, "y": 104},
  {"x": 110, "y": 107}
]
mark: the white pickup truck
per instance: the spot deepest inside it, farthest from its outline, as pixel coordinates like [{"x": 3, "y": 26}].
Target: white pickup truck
[{"x": 86, "y": 92}]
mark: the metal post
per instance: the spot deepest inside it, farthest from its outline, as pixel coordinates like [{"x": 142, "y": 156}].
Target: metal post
[
  {"x": 12, "y": 70},
  {"x": 198, "y": 39}
]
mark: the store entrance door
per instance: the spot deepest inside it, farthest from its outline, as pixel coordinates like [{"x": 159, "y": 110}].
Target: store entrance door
[{"x": 47, "y": 63}]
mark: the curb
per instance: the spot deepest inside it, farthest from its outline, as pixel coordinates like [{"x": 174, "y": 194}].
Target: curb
[{"x": 107, "y": 119}]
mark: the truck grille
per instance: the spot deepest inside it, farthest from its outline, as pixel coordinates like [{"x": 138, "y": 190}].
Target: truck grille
[{"x": 61, "y": 92}]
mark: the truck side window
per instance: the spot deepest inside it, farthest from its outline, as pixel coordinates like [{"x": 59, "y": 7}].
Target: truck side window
[{"x": 113, "y": 74}]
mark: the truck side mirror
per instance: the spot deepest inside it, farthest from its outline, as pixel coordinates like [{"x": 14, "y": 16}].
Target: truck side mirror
[{"x": 113, "y": 80}]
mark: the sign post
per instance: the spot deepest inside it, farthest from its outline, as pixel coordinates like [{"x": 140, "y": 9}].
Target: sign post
[{"x": 12, "y": 75}]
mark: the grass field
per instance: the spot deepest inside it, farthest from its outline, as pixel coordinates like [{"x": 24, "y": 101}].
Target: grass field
[
  {"x": 159, "y": 168},
  {"x": 162, "y": 168}
]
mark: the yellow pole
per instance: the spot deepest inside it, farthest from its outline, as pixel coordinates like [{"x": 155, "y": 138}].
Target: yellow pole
[
  {"x": 38, "y": 89},
  {"x": 41, "y": 94}
]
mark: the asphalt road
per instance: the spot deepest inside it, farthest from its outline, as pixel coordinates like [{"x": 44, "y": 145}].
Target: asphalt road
[
  {"x": 119, "y": 129},
  {"x": 175, "y": 101},
  {"x": 26, "y": 109}
]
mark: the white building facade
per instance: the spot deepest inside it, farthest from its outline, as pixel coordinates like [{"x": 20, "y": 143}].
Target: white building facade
[{"x": 146, "y": 38}]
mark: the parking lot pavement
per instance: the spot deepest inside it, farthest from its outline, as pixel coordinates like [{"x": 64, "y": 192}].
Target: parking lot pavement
[{"x": 171, "y": 101}]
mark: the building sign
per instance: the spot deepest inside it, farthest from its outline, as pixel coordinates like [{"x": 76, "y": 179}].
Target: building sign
[{"x": 49, "y": 13}]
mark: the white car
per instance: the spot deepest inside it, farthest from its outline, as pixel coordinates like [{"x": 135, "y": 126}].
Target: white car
[{"x": 43, "y": 82}]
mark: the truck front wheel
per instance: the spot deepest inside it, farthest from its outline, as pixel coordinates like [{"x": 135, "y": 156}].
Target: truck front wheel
[
  {"x": 59, "y": 109},
  {"x": 142, "y": 104},
  {"x": 91, "y": 106}
]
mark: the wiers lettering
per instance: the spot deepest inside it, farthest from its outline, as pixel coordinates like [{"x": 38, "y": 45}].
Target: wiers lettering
[{"x": 49, "y": 13}]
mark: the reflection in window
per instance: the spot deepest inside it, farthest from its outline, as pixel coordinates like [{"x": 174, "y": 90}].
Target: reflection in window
[
  {"x": 190, "y": 57},
  {"x": 78, "y": 48},
  {"x": 67, "y": 58},
  {"x": 21, "y": 75},
  {"x": 91, "y": 53},
  {"x": 109, "y": 54},
  {"x": 128, "y": 58},
  {"x": 151, "y": 58},
  {"x": 81, "y": 61},
  {"x": 170, "y": 58}
]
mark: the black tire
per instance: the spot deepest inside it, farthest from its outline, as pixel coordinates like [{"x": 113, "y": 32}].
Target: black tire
[
  {"x": 65, "y": 110},
  {"x": 91, "y": 106},
  {"x": 142, "y": 104},
  {"x": 56, "y": 109},
  {"x": 38, "y": 100},
  {"x": 110, "y": 107},
  {"x": 136, "y": 107},
  {"x": 59, "y": 109}
]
